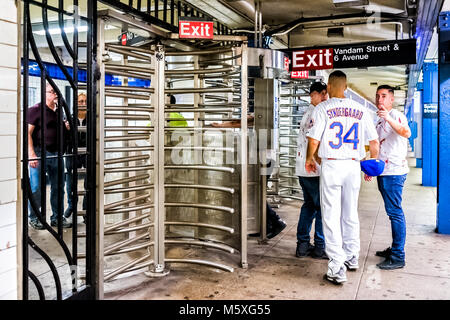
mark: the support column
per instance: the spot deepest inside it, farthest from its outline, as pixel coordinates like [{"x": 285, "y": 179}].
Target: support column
[
  {"x": 443, "y": 199},
  {"x": 417, "y": 117},
  {"x": 429, "y": 124}
]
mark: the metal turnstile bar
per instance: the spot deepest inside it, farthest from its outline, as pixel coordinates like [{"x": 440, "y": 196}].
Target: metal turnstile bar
[
  {"x": 199, "y": 90},
  {"x": 199, "y": 110},
  {"x": 129, "y": 53},
  {"x": 127, "y": 116},
  {"x": 129, "y": 149},
  {"x": 195, "y": 53},
  {"x": 126, "y": 222},
  {"x": 203, "y": 225},
  {"x": 119, "y": 46},
  {"x": 121, "y": 67},
  {"x": 198, "y": 71},
  {"x": 126, "y": 266},
  {"x": 197, "y": 186},
  {"x": 128, "y": 169},
  {"x": 130, "y": 209},
  {"x": 127, "y": 159},
  {"x": 200, "y": 148},
  {"x": 126, "y": 201},
  {"x": 202, "y": 262},
  {"x": 128, "y": 88},
  {"x": 199, "y": 205},
  {"x": 124, "y": 128},
  {"x": 219, "y": 246},
  {"x": 129, "y": 189},
  {"x": 123, "y": 243},
  {"x": 222, "y": 169},
  {"x": 126, "y": 180},
  {"x": 127, "y": 95},
  {"x": 129, "y": 74},
  {"x": 126, "y": 138}
]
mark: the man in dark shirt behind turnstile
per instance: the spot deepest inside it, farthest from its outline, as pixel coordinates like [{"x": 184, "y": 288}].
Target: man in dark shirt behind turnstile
[{"x": 51, "y": 165}]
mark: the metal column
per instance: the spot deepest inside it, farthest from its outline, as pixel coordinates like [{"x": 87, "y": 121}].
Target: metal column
[
  {"x": 429, "y": 124},
  {"x": 443, "y": 200}
]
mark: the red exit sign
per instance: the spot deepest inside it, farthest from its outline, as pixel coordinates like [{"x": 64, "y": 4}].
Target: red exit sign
[
  {"x": 317, "y": 59},
  {"x": 300, "y": 74},
  {"x": 196, "y": 29}
]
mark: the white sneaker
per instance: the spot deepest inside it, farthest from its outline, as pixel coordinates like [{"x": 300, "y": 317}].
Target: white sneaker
[
  {"x": 352, "y": 264},
  {"x": 338, "y": 277}
]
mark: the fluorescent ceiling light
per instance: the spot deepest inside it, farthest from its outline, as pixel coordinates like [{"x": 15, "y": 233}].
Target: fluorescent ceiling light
[
  {"x": 350, "y": 3},
  {"x": 53, "y": 31},
  {"x": 58, "y": 30}
]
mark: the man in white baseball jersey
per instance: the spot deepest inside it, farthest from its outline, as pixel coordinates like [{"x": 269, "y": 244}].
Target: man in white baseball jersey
[
  {"x": 340, "y": 126},
  {"x": 393, "y": 132},
  {"x": 309, "y": 182}
]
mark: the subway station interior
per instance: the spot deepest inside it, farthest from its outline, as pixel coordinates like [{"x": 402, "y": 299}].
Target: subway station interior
[{"x": 175, "y": 139}]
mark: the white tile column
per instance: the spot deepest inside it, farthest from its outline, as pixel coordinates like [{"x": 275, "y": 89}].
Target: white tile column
[{"x": 10, "y": 142}]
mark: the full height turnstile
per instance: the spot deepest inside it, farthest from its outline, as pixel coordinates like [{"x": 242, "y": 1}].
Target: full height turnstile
[
  {"x": 294, "y": 100},
  {"x": 170, "y": 189}
]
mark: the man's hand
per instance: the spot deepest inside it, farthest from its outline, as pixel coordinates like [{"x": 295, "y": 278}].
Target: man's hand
[
  {"x": 384, "y": 114},
  {"x": 367, "y": 178},
  {"x": 67, "y": 124},
  {"x": 33, "y": 163},
  {"x": 310, "y": 166}
]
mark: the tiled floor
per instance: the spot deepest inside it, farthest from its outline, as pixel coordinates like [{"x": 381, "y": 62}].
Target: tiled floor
[{"x": 275, "y": 273}]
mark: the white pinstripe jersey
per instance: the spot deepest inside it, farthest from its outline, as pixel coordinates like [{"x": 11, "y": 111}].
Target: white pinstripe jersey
[{"x": 342, "y": 126}]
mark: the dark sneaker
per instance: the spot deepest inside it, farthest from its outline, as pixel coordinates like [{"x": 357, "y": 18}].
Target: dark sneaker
[
  {"x": 303, "y": 249},
  {"x": 389, "y": 264},
  {"x": 36, "y": 224},
  {"x": 68, "y": 212},
  {"x": 336, "y": 278},
  {"x": 65, "y": 223},
  {"x": 352, "y": 264},
  {"x": 386, "y": 253},
  {"x": 277, "y": 227},
  {"x": 318, "y": 253}
]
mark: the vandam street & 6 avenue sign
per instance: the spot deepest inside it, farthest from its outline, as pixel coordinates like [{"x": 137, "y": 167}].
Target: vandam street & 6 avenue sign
[{"x": 367, "y": 54}]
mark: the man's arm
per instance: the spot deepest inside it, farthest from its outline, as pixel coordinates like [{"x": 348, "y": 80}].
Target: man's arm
[
  {"x": 31, "y": 153},
  {"x": 313, "y": 146},
  {"x": 374, "y": 148},
  {"x": 401, "y": 129}
]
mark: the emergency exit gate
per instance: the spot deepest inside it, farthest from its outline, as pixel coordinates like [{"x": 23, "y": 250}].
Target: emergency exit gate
[{"x": 147, "y": 203}]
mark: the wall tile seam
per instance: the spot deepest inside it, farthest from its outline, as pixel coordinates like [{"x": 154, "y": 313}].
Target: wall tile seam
[
  {"x": 9, "y": 44},
  {"x": 6, "y": 67},
  {"x": 7, "y": 158},
  {"x": 8, "y": 21},
  {"x": 9, "y": 90}
]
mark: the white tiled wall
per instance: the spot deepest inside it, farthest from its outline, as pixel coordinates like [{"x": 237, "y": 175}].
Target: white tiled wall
[{"x": 8, "y": 151}]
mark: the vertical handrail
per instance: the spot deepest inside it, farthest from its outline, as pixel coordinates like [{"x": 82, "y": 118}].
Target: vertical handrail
[
  {"x": 100, "y": 157},
  {"x": 160, "y": 213},
  {"x": 25, "y": 190},
  {"x": 244, "y": 106},
  {"x": 91, "y": 114}
]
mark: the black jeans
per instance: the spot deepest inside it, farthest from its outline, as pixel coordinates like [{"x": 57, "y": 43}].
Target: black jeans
[{"x": 310, "y": 210}]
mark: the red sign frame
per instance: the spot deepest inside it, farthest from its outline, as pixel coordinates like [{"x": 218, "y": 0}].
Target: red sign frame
[
  {"x": 300, "y": 74},
  {"x": 316, "y": 59},
  {"x": 196, "y": 29}
]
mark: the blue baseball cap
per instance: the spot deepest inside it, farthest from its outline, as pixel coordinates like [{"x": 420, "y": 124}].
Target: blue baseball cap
[{"x": 372, "y": 167}]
